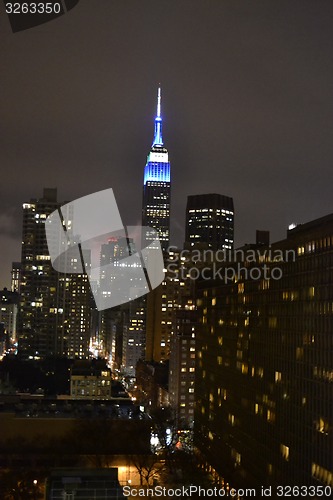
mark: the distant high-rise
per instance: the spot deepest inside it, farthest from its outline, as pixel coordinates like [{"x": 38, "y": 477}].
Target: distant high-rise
[
  {"x": 112, "y": 253},
  {"x": 8, "y": 317},
  {"x": 16, "y": 271},
  {"x": 156, "y": 186},
  {"x": 121, "y": 327},
  {"x": 54, "y": 316},
  {"x": 133, "y": 336},
  {"x": 210, "y": 220}
]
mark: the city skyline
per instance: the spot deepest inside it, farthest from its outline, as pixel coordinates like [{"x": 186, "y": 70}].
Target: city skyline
[
  {"x": 247, "y": 109},
  {"x": 205, "y": 358}
]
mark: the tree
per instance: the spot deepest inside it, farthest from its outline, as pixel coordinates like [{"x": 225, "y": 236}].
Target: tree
[
  {"x": 164, "y": 426},
  {"x": 18, "y": 484},
  {"x": 148, "y": 467}
]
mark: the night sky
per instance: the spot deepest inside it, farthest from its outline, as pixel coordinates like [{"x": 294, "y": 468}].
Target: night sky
[{"x": 247, "y": 107}]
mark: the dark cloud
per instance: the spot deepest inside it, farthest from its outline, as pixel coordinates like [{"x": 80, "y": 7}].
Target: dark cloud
[{"x": 247, "y": 107}]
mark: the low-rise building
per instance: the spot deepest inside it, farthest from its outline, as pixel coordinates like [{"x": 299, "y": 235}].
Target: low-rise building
[{"x": 90, "y": 380}]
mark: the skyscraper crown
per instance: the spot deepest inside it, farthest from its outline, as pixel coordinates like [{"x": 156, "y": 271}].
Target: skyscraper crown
[{"x": 158, "y": 140}]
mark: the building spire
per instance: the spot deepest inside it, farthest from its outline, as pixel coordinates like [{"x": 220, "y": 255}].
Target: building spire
[{"x": 158, "y": 140}]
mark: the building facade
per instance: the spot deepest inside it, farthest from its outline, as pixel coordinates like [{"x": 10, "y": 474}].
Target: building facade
[
  {"x": 264, "y": 369},
  {"x": 90, "y": 381},
  {"x": 182, "y": 367},
  {"x": 210, "y": 220},
  {"x": 8, "y": 321},
  {"x": 54, "y": 314},
  {"x": 134, "y": 336},
  {"x": 162, "y": 305},
  {"x": 16, "y": 273}
]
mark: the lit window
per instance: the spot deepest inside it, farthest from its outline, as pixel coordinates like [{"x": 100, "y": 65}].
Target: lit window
[
  {"x": 284, "y": 451},
  {"x": 270, "y": 416},
  {"x": 231, "y": 419},
  {"x": 322, "y": 474},
  {"x": 236, "y": 456}
]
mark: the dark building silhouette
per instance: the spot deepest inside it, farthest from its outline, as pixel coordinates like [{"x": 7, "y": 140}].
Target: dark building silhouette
[
  {"x": 182, "y": 366},
  {"x": 16, "y": 273},
  {"x": 264, "y": 370},
  {"x": 8, "y": 320},
  {"x": 210, "y": 220},
  {"x": 83, "y": 483}
]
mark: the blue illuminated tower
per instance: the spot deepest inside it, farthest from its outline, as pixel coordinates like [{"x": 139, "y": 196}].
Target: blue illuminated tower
[{"x": 156, "y": 186}]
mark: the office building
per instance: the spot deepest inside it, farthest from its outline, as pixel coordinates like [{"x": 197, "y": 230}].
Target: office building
[
  {"x": 113, "y": 252},
  {"x": 156, "y": 186},
  {"x": 122, "y": 328},
  {"x": 210, "y": 220},
  {"x": 8, "y": 321},
  {"x": 264, "y": 369},
  {"x": 54, "y": 316},
  {"x": 182, "y": 366},
  {"x": 133, "y": 336},
  {"x": 16, "y": 273},
  {"x": 162, "y": 304}
]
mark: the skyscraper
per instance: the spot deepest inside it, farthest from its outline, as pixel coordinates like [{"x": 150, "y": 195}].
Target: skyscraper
[
  {"x": 210, "y": 220},
  {"x": 264, "y": 369},
  {"x": 122, "y": 327},
  {"x": 8, "y": 316},
  {"x": 156, "y": 186},
  {"x": 16, "y": 272},
  {"x": 54, "y": 316}
]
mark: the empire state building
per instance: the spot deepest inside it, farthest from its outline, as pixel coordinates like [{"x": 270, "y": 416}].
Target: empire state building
[{"x": 156, "y": 186}]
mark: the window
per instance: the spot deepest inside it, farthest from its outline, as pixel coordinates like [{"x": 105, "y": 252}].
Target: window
[
  {"x": 284, "y": 451},
  {"x": 236, "y": 456},
  {"x": 231, "y": 419},
  {"x": 322, "y": 474}
]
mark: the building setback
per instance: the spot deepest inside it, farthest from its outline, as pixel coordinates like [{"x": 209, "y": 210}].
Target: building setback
[{"x": 264, "y": 369}]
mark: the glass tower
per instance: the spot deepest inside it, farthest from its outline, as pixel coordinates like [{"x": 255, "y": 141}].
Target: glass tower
[{"x": 156, "y": 186}]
